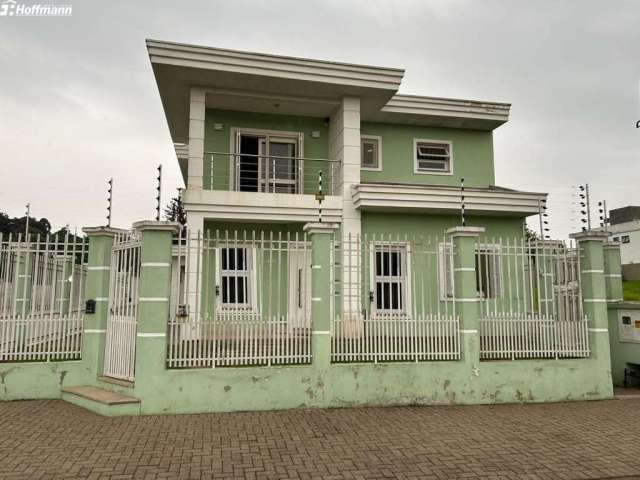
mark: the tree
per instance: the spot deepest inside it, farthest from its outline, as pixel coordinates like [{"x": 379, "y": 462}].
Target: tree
[
  {"x": 18, "y": 225},
  {"x": 174, "y": 212}
]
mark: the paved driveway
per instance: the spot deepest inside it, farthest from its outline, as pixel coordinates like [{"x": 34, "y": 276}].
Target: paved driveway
[{"x": 52, "y": 439}]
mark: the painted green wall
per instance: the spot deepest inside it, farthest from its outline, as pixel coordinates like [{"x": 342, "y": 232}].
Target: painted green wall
[
  {"x": 436, "y": 225},
  {"x": 472, "y": 155},
  {"x": 220, "y": 141}
]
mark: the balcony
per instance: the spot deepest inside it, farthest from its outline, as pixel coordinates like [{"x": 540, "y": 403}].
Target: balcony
[
  {"x": 256, "y": 187},
  {"x": 241, "y": 172}
]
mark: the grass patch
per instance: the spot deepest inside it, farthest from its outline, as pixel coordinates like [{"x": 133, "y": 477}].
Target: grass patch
[{"x": 631, "y": 290}]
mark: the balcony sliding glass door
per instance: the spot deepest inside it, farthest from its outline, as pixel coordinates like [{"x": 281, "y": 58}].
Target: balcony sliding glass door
[{"x": 268, "y": 163}]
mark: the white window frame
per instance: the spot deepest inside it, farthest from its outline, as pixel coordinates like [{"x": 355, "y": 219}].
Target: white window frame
[
  {"x": 416, "y": 141},
  {"x": 495, "y": 257},
  {"x": 236, "y": 132},
  {"x": 405, "y": 259},
  {"x": 447, "y": 290},
  {"x": 379, "y": 140},
  {"x": 252, "y": 284}
]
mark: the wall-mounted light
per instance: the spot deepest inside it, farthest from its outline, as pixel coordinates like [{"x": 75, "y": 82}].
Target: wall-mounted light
[
  {"x": 315, "y": 134},
  {"x": 218, "y": 126}
]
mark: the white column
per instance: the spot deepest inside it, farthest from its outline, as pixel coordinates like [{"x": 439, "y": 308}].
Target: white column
[
  {"x": 344, "y": 145},
  {"x": 196, "y": 138},
  {"x": 193, "y": 275}
]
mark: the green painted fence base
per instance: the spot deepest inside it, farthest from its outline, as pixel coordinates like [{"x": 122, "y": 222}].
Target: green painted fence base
[{"x": 339, "y": 385}]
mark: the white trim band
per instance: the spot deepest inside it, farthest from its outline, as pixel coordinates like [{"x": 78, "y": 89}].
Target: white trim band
[
  {"x": 613, "y": 275},
  {"x": 595, "y": 300},
  {"x": 592, "y": 271},
  {"x": 151, "y": 335},
  {"x": 153, "y": 299},
  {"x": 466, "y": 300},
  {"x": 316, "y": 267},
  {"x": 155, "y": 264},
  {"x": 469, "y": 332},
  {"x": 101, "y": 299},
  {"x": 316, "y": 299},
  {"x": 94, "y": 330},
  {"x": 599, "y": 330},
  {"x": 321, "y": 332},
  {"x": 99, "y": 268},
  {"x": 464, "y": 269}
]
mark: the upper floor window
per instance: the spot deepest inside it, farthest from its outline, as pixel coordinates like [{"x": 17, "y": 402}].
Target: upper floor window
[
  {"x": 370, "y": 152},
  {"x": 625, "y": 239},
  {"x": 433, "y": 157}
]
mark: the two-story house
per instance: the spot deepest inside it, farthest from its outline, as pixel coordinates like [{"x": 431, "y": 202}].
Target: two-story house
[{"x": 253, "y": 132}]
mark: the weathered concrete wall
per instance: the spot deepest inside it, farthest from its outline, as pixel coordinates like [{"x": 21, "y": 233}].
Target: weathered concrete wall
[
  {"x": 270, "y": 388},
  {"x": 28, "y": 381}
]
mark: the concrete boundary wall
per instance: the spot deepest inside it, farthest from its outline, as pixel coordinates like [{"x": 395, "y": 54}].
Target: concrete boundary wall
[{"x": 322, "y": 384}]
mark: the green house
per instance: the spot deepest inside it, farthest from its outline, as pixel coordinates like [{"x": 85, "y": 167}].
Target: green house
[{"x": 345, "y": 245}]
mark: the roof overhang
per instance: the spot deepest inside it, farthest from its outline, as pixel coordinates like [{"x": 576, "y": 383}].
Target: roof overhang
[
  {"x": 442, "y": 112},
  {"x": 442, "y": 199},
  {"x": 178, "y": 67}
]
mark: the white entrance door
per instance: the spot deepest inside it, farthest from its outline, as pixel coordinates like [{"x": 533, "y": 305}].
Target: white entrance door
[{"x": 299, "y": 288}]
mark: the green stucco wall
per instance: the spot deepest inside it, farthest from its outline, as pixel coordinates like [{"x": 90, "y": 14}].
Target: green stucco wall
[
  {"x": 472, "y": 152},
  {"x": 435, "y": 225},
  {"x": 221, "y": 141}
]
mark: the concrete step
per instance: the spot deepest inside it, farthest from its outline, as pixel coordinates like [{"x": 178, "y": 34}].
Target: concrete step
[{"x": 101, "y": 401}]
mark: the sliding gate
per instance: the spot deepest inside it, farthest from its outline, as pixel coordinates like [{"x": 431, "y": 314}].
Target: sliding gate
[{"x": 120, "y": 344}]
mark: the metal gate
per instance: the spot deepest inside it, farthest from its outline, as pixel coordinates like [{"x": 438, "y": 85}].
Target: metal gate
[{"x": 120, "y": 344}]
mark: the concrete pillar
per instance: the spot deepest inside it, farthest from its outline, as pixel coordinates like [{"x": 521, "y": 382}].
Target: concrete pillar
[
  {"x": 321, "y": 291},
  {"x": 195, "y": 165},
  {"x": 613, "y": 271},
  {"x": 594, "y": 295},
  {"x": 467, "y": 306},
  {"x": 154, "y": 293},
  {"x": 344, "y": 145},
  {"x": 97, "y": 289}
]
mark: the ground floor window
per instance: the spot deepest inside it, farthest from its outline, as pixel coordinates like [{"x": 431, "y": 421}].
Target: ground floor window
[
  {"x": 390, "y": 279},
  {"x": 235, "y": 288},
  {"x": 488, "y": 268}
]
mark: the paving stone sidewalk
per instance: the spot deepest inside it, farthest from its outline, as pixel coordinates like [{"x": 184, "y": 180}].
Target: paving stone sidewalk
[{"x": 53, "y": 439}]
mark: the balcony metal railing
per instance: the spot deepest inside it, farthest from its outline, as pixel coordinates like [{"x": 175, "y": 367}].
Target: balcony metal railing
[{"x": 240, "y": 172}]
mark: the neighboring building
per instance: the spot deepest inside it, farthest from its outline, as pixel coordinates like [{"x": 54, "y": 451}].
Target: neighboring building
[{"x": 624, "y": 227}]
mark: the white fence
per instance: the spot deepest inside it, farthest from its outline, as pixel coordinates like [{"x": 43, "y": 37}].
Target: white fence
[
  {"x": 120, "y": 341},
  {"x": 41, "y": 297},
  {"x": 388, "y": 304},
  {"x": 531, "y": 300},
  {"x": 525, "y": 338},
  {"x": 240, "y": 298}
]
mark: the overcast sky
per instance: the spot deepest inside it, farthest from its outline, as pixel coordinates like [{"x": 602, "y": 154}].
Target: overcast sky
[{"x": 79, "y": 104}]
